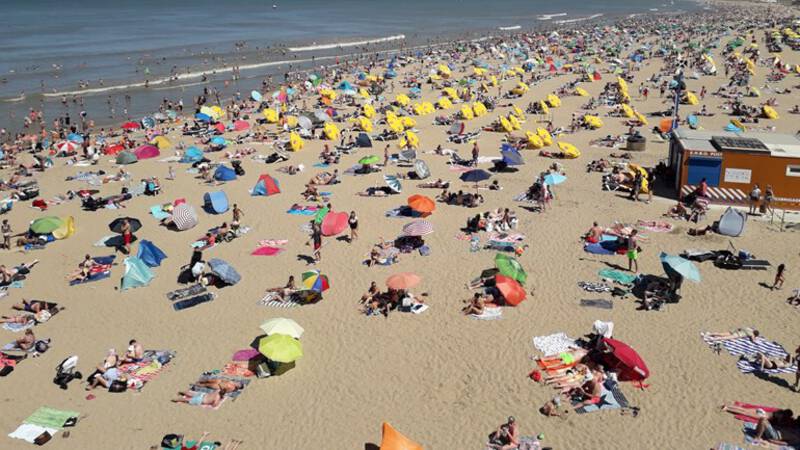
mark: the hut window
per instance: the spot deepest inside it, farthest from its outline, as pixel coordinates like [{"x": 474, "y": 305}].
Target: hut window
[{"x": 793, "y": 171}]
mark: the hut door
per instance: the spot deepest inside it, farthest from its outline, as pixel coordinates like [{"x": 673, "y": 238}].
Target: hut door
[{"x": 708, "y": 168}]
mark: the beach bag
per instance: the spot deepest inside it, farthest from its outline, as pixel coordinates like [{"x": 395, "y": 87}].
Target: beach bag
[
  {"x": 171, "y": 441},
  {"x": 118, "y": 386},
  {"x": 43, "y": 438},
  {"x": 425, "y": 250},
  {"x": 42, "y": 346}
]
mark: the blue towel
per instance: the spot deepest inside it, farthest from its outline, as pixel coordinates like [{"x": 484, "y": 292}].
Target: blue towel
[
  {"x": 301, "y": 212},
  {"x": 321, "y": 165},
  {"x": 611, "y": 397},
  {"x": 93, "y": 277},
  {"x": 158, "y": 213}
]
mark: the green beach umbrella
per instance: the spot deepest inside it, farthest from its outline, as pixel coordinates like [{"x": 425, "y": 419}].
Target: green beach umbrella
[
  {"x": 510, "y": 267},
  {"x": 46, "y": 225},
  {"x": 281, "y": 348},
  {"x": 371, "y": 159},
  {"x": 321, "y": 213}
]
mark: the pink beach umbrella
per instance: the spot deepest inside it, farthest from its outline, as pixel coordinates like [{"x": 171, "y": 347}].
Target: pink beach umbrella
[
  {"x": 334, "y": 223},
  {"x": 240, "y": 125}
]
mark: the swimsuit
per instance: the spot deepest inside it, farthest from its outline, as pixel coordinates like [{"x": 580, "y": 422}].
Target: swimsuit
[{"x": 197, "y": 399}]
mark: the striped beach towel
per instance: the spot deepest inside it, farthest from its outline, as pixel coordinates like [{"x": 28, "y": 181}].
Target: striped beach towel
[
  {"x": 749, "y": 430},
  {"x": 271, "y": 300},
  {"x": 745, "y": 347}
]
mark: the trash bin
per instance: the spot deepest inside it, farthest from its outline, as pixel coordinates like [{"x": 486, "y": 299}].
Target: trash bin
[{"x": 637, "y": 143}]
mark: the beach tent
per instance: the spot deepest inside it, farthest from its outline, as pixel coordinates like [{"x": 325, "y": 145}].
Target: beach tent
[
  {"x": 192, "y": 155},
  {"x": 146, "y": 151},
  {"x": 363, "y": 141},
  {"x": 150, "y": 254},
  {"x": 625, "y": 361},
  {"x": 137, "y": 274},
  {"x": 732, "y": 223},
  {"x": 184, "y": 217},
  {"x": 215, "y": 202},
  {"x": 266, "y": 185},
  {"x": 394, "y": 440},
  {"x": 126, "y": 157},
  {"x": 224, "y": 173}
]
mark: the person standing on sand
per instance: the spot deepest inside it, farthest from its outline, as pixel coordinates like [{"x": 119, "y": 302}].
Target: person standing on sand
[
  {"x": 127, "y": 235},
  {"x": 633, "y": 251},
  {"x": 386, "y": 156},
  {"x": 755, "y": 196},
  {"x": 316, "y": 237},
  {"x": 780, "y": 276},
  {"x": 353, "y": 223},
  {"x": 476, "y": 153},
  {"x": 237, "y": 216},
  {"x": 6, "y": 230}
]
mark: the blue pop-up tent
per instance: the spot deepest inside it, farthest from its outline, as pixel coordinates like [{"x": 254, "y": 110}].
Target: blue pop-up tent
[
  {"x": 224, "y": 173},
  {"x": 215, "y": 202},
  {"x": 192, "y": 155},
  {"x": 150, "y": 254}
]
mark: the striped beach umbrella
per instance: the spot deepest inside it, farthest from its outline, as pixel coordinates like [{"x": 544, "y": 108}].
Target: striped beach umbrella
[
  {"x": 418, "y": 228},
  {"x": 393, "y": 182},
  {"x": 315, "y": 281},
  {"x": 184, "y": 217},
  {"x": 67, "y": 146}
]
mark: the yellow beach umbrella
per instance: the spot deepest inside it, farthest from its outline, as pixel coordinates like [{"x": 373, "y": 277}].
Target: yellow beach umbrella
[
  {"x": 506, "y": 125},
  {"x": 396, "y": 125},
  {"x": 569, "y": 150},
  {"x": 444, "y": 71},
  {"x": 296, "y": 142},
  {"x": 512, "y": 119},
  {"x": 547, "y": 139},
  {"x": 331, "y": 131},
  {"x": 444, "y": 103},
  {"x": 534, "y": 141},
  {"x": 368, "y": 111},
  {"x": 402, "y": 99},
  {"x": 162, "y": 142},
  {"x": 479, "y": 109},
  {"x": 592, "y": 122},
  {"x": 518, "y": 112},
  {"x": 626, "y": 110},
  {"x": 408, "y": 122},
  {"x": 412, "y": 140},
  {"x": 270, "y": 114},
  {"x": 769, "y": 112},
  {"x": 450, "y": 92},
  {"x": 466, "y": 112},
  {"x": 365, "y": 124},
  {"x": 543, "y": 107},
  {"x": 581, "y": 92},
  {"x": 291, "y": 121}
]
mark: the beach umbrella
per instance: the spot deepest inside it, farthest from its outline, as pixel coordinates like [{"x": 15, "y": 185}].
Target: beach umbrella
[
  {"x": 334, "y": 223},
  {"x": 512, "y": 157},
  {"x": 255, "y": 95},
  {"x": 554, "y": 178},
  {"x": 240, "y": 125},
  {"x": 46, "y": 225},
  {"x": 67, "y": 146},
  {"x": 475, "y": 176},
  {"x": 116, "y": 224},
  {"x": 148, "y": 122},
  {"x": 131, "y": 126},
  {"x": 510, "y": 289},
  {"x": 675, "y": 265},
  {"x": 569, "y": 150},
  {"x": 224, "y": 271},
  {"x": 162, "y": 143},
  {"x": 370, "y": 159},
  {"x": 75, "y": 137},
  {"x": 146, "y": 151},
  {"x": 202, "y": 117},
  {"x": 315, "y": 281},
  {"x": 184, "y": 217},
  {"x": 403, "y": 280},
  {"x": 305, "y": 123},
  {"x": 392, "y": 439},
  {"x": 217, "y": 140},
  {"x": 282, "y": 325},
  {"x": 417, "y": 228},
  {"x": 321, "y": 116},
  {"x": 421, "y": 169},
  {"x": 421, "y": 204},
  {"x": 624, "y": 360},
  {"x": 510, "y": 267},
  {"x": 159, "y": 116},
  {"x": 393, "y": 182},
  {"x": 281, "y": 348},
  {"x": 126, "y": 157}
]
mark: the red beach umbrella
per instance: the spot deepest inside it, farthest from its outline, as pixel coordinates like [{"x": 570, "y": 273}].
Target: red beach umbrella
[
  {"x": 511, "y": 289},
  {"x": 622, "y": 358}
]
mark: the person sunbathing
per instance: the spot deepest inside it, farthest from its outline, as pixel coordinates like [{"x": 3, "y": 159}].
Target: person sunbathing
[
  {"x": 738, "y": 333},
  {"x": 106, "y": 377},
  {"x": 438, "y": 184},
  {"x": 678, "y": 211},
  {"x": 476, "y": 305},
  {"x": 590, "y": 390},
  {"x": 135, "y": 352},
  {"x": 27, "y": 341},
  {"x": 770, "y": 363},
  {"x": 370, "y": 294},
  {"x": 766, "y": 422},
  {"x": 7, "y": 276},
  {"x": 21, "y": 319},
  {"x": 221, "y": 384},
  {"x": 595, "y": 234},
  {"x": 285, "y": 291},
  {"x": 33, "y": 306},
  {"x": 374, "y": 192},
  {"x": 211, "y": 399},
  {"x": 83, "y": 271}
]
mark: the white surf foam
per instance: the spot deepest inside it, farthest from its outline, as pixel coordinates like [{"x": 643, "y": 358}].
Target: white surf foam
[{"x": 309, "y": 48}]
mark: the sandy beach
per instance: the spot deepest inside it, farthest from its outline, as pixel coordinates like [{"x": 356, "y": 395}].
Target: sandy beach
[{"x": 441, "y": 378}]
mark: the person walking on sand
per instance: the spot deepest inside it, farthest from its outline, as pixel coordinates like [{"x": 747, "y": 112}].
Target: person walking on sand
[
  {"x": 780, "y": 276},
  {"x": 633, "y": 252},
  {"x": 316, "y": 237},
  {"x": 237, "y": 216},
  {"x": 755, "y": 196},
  {"x": 6, "y": 229},
  {"x": 353, "y": 223},
  {"x": 386, "y": 156},
  {"x": 476, "y": 153}
]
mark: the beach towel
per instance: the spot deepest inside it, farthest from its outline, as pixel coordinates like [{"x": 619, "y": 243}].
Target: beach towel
[
  {"x": 272, "y": 300},
  {"x": 194, "y": 389},
  {"x": 303, "y": 211},
  {"x": 749, "y": 430},
  {"x": 725, "y": 446},
  {"x": 193, "y": 301},
  {"x": 144, "y": 371},
  {"x": 554, "y": 344},
  {"x": 187, "y": 292},
  {"x": 611, "y": 397},
  {"x": 17, "y": 327},
  {"x": 489, "y": 314},
  {"x": 745, "y": 347},
  {"x": 272, "y": 242},
  {"x": 602, "y": 248},
  {"x": 158, "y": 213},
  {"x": 589, "y": 286},
  {"x": 617, "y": 276},
  {"x": 100, "y": 273},
  {"x": 597, "y": 303},
  {"x": 50, "y": 417}
]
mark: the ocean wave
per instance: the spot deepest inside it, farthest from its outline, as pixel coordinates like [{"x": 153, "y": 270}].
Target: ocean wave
[
  {"x": 346, "y": 44},
  {"x": 550, "y": 16},
  {"x": 13, "y": 99},
  {"x": 511, "y": 28},
  {"x": 580, "y": 19}
]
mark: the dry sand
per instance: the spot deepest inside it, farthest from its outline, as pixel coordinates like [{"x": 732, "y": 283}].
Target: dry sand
[{"x": 440, "y": 378}]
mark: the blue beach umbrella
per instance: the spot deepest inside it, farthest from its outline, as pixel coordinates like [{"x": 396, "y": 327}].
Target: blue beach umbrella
[
  {"x": 554, "y": 179},
  {"x": 255, "y": 95},
  {"x": 475, "y": 176},
  {"x": 202, "y": 117},
  {"x": 680, "y": 266},
  {"x": 75, "y": 137}
]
